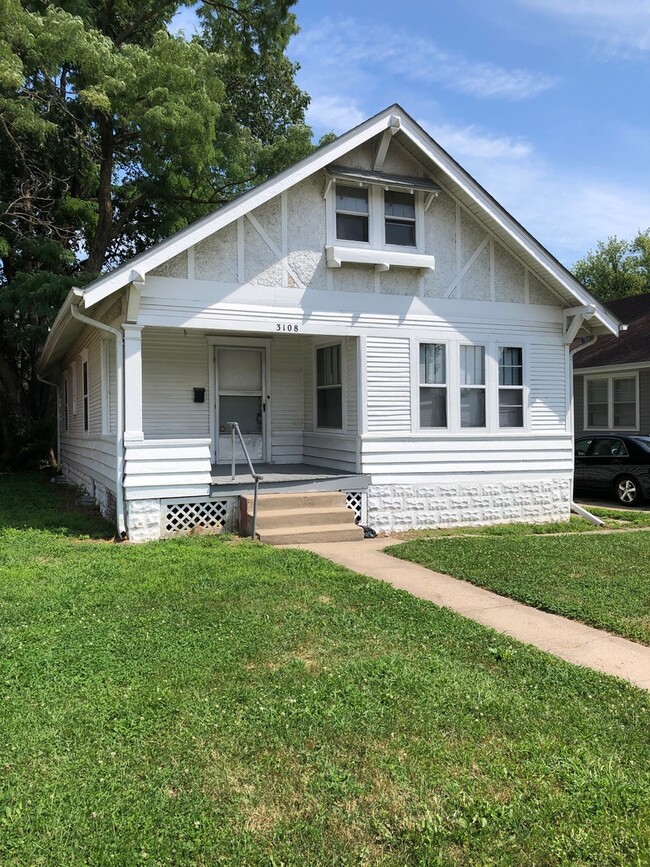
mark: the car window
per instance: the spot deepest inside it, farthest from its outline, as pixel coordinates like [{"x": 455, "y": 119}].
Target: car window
[
  {"x": 610, "y": 448},
  {"x": 644, "y": 442},
  {"x": 582, "y": 446}
]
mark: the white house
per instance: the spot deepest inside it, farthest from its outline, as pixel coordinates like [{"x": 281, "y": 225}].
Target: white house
[{"x": 374, "y": 321}]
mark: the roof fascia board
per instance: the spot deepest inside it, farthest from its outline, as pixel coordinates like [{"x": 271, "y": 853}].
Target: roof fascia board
[
  {"x": 508, "y": 223},
  {"x": 628, "y": 366},
  {"x": 205, "y": 227},
  {"x": 53, "y": 337}
]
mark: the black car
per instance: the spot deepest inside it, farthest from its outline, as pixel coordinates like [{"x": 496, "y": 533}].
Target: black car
[{"x": 613, "y": 464}]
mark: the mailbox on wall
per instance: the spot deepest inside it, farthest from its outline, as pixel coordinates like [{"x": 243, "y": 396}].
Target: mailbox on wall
[{"x": 199, "y": 395}]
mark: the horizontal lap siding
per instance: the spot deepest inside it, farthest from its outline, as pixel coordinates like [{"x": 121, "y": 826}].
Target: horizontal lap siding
[
  {"x": 428, "y": 460},
  {"x": 548, "y": 397},
  {"x": 91, "y": 457},
  {"x": 330, "y": 450},
  {"x": 287, "y": 408},
  {"x": 158, "y": 468},
  {"x": 388, "y": 378},
  {"x": 174, "y": 362}
]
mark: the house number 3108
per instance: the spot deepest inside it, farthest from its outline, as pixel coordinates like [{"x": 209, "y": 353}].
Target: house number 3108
[{"x": 285, "y": 326}]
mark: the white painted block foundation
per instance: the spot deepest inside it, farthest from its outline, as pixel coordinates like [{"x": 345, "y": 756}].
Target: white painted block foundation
[{"x": 394, "y": 508}]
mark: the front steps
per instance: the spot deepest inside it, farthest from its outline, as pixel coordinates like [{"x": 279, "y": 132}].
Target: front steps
[{"x": 288, "y": 519}]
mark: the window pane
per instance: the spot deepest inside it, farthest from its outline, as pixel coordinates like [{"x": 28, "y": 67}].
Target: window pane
[
  {"x": 597, "y": 415},
  {"x": 351, "y": 228},
  {"x": 246, "y": 410},
  {"x": 433, "y": 407},
  {"x": 399, "y": 205},
  {"x": 597, "y": 391},
  {"x": 240, "y": 370},
  {"x": 472, "y": 365},
  {"x": 511, "y": 410},
  {"x": 624, "y": 414},
  {"x": 352, "y": 199},
  {"x": 472, "y": 407},
  {"x": 432, "y": 363},
  {"x": 330, "y": 410},
  {"x": 328, "y": 365},
  {"x": 402, "y": 234},
  {"x": 510, "y": 366}
]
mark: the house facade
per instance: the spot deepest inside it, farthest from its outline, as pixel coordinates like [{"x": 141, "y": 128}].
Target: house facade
[
  {"x": 612, "y": 376},
  {"x": 371, "y": 318}
]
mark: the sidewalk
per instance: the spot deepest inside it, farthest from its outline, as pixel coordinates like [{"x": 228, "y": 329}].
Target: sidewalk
[{"x": 572, "y": 641}]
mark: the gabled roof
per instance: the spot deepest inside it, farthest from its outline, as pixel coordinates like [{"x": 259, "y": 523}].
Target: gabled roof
[{"x": 632, "y": 347}]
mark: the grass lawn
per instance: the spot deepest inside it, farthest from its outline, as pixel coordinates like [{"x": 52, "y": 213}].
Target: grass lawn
[
  {"x": 208, "y": 701},
  {"x": 603, "y": 580}
]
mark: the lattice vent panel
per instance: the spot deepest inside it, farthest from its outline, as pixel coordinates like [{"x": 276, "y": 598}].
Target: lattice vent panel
[
  {"x": 356, "y": 501},
  {"x": 207, "y": 517}
]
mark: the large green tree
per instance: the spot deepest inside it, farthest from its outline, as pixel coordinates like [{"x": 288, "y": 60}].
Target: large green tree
[
  {"x": 616, "y": 268},
  {"x": 114, "y": 133}
]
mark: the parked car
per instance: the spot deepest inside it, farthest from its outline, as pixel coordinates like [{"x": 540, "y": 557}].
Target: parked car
[{"x": 614, "y": 464}]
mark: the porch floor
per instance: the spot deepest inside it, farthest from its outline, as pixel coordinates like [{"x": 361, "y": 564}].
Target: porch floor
[{"x": 282, "y": 477}]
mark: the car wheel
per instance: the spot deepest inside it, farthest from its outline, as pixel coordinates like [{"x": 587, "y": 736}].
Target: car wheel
[{"x": 627, "y": 491}]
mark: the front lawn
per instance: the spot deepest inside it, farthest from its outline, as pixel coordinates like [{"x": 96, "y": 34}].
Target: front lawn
[
  {"x": 209, "y": 701},
  {"x": 602, "y": 579}
]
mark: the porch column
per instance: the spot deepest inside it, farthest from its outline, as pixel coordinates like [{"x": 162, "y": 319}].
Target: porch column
[{"x": 132, "y": 382}]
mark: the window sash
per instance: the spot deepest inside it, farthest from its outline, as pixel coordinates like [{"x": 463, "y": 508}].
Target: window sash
[
  {"x": 433, "y": 385},
  {"x": 511, "y": 386},
  {"x": 329, "y": 387},
  {"x": 84, "y": 377},
  {"x": 611, "y": 403}
]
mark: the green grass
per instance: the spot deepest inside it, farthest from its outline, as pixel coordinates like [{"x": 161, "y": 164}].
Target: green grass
[
  {"x": 602, "y": 579},
  {"x": 208, "y": 701}
]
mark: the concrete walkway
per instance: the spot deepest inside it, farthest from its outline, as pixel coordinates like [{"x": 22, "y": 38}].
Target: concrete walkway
[{"x": 575, "y": 642}]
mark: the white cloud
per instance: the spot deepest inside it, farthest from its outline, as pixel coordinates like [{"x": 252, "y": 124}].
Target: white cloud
[
  {"x": 468, "y": 141},
  {"x": 618, "y": 25},
  {"x": 337, "y": 51}
]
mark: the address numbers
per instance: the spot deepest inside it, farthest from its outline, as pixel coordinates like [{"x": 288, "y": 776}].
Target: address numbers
[{"x": 285, "y": 326}]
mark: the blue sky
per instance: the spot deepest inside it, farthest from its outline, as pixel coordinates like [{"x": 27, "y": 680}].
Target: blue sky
[{"x": 545, "y": 102}]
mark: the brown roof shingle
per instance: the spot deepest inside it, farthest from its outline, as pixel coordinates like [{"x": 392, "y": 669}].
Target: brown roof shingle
[{"x": 632, "y": 346}]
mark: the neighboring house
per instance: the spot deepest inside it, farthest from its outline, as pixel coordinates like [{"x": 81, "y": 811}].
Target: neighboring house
[
  {"x": 374, "y": 321},
  {"x": 612, "y": 376}
]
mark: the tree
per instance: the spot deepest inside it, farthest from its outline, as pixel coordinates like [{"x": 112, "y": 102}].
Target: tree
[
  {"x": 114, "y": 134},
  {"x": 616, "y": 268}
]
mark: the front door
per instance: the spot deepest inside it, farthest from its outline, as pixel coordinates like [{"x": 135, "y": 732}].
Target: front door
[{"x": 240, "y": 397}]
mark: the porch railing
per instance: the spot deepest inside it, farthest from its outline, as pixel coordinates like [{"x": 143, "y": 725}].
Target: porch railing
[{"x": 257, "y": 478}]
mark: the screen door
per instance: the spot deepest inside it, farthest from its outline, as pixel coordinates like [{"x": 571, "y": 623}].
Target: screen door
[{"x": 240, "y": 393}]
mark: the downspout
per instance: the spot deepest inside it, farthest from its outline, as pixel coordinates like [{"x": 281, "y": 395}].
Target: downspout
[
  {"x": 58, "y": 416},
  {"x": 575, "y": 508},
  {"x": 119, "y": 422}
]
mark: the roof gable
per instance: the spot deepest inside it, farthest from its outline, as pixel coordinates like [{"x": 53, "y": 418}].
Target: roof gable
[{"x": 424, "y": 150}]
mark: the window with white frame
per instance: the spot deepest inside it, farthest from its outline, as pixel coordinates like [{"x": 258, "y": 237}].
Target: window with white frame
[
  {"x": 85, "y": 393},
  {"x": 611, "y": 402},
  {"x": 511, "y": 386},
  {"x": 352, "y": 213},
  {"x": 433, "y": 385},
  {"x": 66, "y": 403},
  {"x": 329, "y": 387},
  {"x": 376, "y": 216},
  {"x": 472, "y": 386},
  {"x": 74, "y": 387}
]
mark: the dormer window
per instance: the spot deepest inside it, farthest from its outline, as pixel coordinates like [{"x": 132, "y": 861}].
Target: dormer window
[
  {"x": 377, "y": 219},
  {"x": 399, "y": 211},
  {"x": 352, "y": 213}
]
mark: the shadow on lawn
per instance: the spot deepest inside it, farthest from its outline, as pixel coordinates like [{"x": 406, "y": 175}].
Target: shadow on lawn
[{"x": 30, "y": 501}]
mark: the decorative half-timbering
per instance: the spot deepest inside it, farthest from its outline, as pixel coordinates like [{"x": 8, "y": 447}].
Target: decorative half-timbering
[{"x": 370, "y": 321}]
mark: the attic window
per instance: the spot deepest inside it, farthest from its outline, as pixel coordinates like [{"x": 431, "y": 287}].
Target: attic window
[
  {"x": 399, "y": 211},
  {"x": 352, "y": 213}
]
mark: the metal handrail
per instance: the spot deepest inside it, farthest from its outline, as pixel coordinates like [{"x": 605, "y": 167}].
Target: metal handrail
[{"x": 257, "y": 478}]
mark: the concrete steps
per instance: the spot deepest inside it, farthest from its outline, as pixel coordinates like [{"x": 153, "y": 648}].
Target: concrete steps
[{"x": 290, "y": 519}]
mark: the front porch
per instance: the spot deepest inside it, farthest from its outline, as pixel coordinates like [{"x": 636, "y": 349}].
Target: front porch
[{"x": 278, "y": 478}]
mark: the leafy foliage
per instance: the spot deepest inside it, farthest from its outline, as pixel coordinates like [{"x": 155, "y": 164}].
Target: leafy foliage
[
  {"x": 114, "y": 133},
  {"x": 617, "y": 268}
]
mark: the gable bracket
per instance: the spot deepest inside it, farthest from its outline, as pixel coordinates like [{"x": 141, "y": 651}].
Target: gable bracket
[
  {"x": 134, "y": 290},
  {"x": 574, "y": 318}
]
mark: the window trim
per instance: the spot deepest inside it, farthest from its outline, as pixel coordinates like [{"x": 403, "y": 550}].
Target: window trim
[
  {"x": 324, "y": 344},
  {"x": 66, "y": 402},
  {"x": 521, "y": 388},
  {"x": 85, "y": 392},
  {"x": 475, "y": 387},
  {"x": 610, "y": 378},
  {"x": 418, "y": 385},
  {"x": 105, "y": 360}
]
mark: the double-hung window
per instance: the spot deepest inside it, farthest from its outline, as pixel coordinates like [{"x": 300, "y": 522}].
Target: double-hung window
[
  {"x": 611, "y": 403},
  {"x": 433, "y": 385},
  {"x": 352, "y": 213},
  {"x": 66, "y": 404},
  {"x": 85, "y": 393},
  {"x": 472, "y": 386},
  {"x": 399, "y": 214},
  {"x": 329, "y": 387},
  {"x": 511, "y": 387}
]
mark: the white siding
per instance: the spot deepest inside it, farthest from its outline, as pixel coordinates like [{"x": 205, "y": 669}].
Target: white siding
[
  {"x": 548, "y": 397},
  {"x": 174, "y": 362},
  {"x": 167, "y": 468},
  {"x": 88, "y": 461},
  {"x": 388, "y": 378},
  {"x": 287, "y": 408}
]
